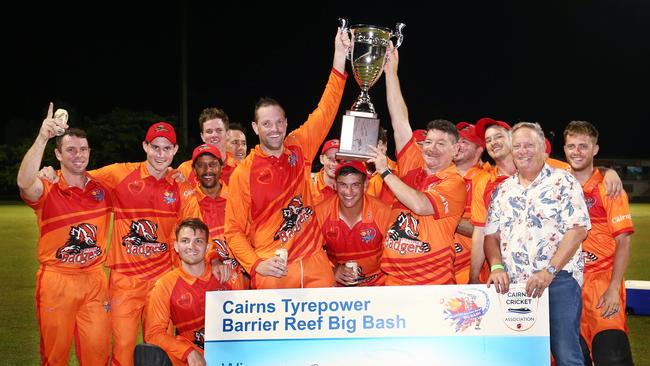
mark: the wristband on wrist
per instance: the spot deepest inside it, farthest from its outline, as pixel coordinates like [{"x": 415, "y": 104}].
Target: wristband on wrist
[
  {"x": 494, "y": 267},
  {"x": 385, "y": 173}
]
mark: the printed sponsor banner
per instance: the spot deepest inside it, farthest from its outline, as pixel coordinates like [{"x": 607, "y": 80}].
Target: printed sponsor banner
[{"x": 393, "y": 325}]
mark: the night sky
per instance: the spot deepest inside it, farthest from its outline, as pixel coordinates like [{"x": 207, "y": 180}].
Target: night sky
[{"x": 548, "y": 62}]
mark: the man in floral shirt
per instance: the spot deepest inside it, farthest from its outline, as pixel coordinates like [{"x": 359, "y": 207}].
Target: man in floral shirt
[{"x": 536, "y": 223}]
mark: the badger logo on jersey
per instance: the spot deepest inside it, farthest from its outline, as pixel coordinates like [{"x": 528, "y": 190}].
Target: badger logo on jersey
[
  {"x": 402, "y": 236},
  {"x": 589, "y": 257},
  {"x": 293, "y": 217},
  {"x": 81, "y": 246},
  {"x": 221, "y": 248},
  {"x": 142, "y": 239},
  {"x": 458, "y": 248}
]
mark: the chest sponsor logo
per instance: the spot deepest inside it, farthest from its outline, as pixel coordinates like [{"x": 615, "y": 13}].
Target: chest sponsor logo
[
  {"x": 142, "y": 239},
  {"x": 617, "y": 219},
  {"x": 294, "y": 216},
  {"x": 81, "y": 246},
  {"x": 402, "y": 236},
  {"x": 466, "y": 309}
]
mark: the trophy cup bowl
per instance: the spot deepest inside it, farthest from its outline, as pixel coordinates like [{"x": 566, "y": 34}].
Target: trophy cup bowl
[
  {"x": 368, "y": 48},
  {"x": 368, "y": 56}
]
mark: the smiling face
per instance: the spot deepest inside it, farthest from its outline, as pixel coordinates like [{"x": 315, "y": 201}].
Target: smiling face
[
  {"x": 214, "y": 132},
  {"x": 350, "y": 189},
  {"x": 160, "y": 153},
  {"x": 497, "y": 142},
  {"x": 329, "y": 162},
  {"x": 438, "y": 150},
  {"x": 191, "y": 245},
  {"x": 236, "y": 144},
  {"x": 580, "y": 150},
  {"x": 468, "y": 152},
  {"x": 528, "y": 151},
  {"x": 73, "y": 154},
  {"x": 208, "y": 170},
  {"x": 271, "y": 127}
]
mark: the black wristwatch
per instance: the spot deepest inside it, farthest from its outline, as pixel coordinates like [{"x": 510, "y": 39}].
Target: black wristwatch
[{"x": 385, "y": 173}]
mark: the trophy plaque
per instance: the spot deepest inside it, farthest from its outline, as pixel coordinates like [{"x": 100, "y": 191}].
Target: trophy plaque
[{"x": 360, "y": 126}]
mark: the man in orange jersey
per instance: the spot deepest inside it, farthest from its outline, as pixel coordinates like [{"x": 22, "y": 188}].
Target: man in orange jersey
[
  {"x": 353, "y": 224},
  {"x": 213, "y": 124},
  {"x": 324, "y": 180},
  {"x": 212, "y": 193},
  {"x": 419, "y": 246},
  {"x": 74, "y": 218},
  {"x": 274, "y": 206},
  {"x": 179, "y": 297},
  {"x": 496, "y": 136},
  {"x": 468, "y": 163},
  {"x": 148, "y": 203},
  {"x": 236, "y": 141},
  {"x": 605, "y": 251}
]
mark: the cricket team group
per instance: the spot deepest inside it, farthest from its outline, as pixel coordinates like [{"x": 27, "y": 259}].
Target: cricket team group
[{"x": 232, "y": 219}]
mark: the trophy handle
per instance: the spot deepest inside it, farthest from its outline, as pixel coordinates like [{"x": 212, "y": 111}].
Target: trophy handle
[
  {"x": 343, "y": 24},
  {"x": 398, "y": 34}
]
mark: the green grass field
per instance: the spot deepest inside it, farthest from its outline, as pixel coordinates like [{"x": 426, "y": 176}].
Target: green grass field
[{"x": 19, "y": 340}]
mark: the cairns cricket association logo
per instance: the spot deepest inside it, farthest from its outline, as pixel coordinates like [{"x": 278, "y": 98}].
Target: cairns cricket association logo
[
  {"x": 402, "y": 236},
  {"x": 142, "y": 239},
  {"x": 293, "y": 218},
  {"x": 81, "y": 246},
  {"x": 518, "y": 310},
  {"x": 466, "y": 309}
]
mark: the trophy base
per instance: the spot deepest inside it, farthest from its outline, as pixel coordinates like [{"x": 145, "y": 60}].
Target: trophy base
[{"x": 358, "y": 131}]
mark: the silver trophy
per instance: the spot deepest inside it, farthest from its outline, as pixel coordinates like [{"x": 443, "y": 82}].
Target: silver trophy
[{"x": 360, "y": 126}]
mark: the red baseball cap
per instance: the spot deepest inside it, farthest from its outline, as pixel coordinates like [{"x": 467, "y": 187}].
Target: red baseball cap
[
  {"x": 206, "y": 149},
  {"x": 548, "y": 146},
  {"x": 330, "y": 144},
  {"x": 486, "y": 122},
  {"x": 356, "y": 164},
  {"x": 161, "y": 129},
  {"x": 420, "y": 135},
  {"x": 468, "y": 132}
]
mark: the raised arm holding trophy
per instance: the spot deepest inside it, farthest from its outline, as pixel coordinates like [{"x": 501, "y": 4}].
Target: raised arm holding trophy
[{"x": 360, "y": 126}]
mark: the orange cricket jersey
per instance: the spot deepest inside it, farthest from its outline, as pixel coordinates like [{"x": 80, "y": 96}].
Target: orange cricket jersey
[
  {"x": 482, "y": 188},
  {"x": 73, "y": 225},
  {"x": 320, "y": 190},
  {"x": 146, "y": 211},
  {"x": 558, "y": 164},
  {"x": 226, "y": 170},
  {"x": 213, "y": 212},
  {"x": 419, "y": 249},
  {"x": 463, "y": 244},
  {"x": 609, "y": 218},
  {"x": 362, "y": 243},
  {"x": 179, "y": 297},
  {"x": 273, "y": 205}
]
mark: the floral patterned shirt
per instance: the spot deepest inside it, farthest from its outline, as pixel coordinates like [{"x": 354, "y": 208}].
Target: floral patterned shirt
[{"x": 533, "y": 220}]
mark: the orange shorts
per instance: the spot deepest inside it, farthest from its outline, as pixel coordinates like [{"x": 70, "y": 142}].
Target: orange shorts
[
  {"x": 592, "y": 322},
  {"x": 314, "y": 271}
]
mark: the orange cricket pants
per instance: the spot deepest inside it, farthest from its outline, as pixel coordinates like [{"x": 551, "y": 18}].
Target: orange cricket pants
[{"x": 71, "y": 303}]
